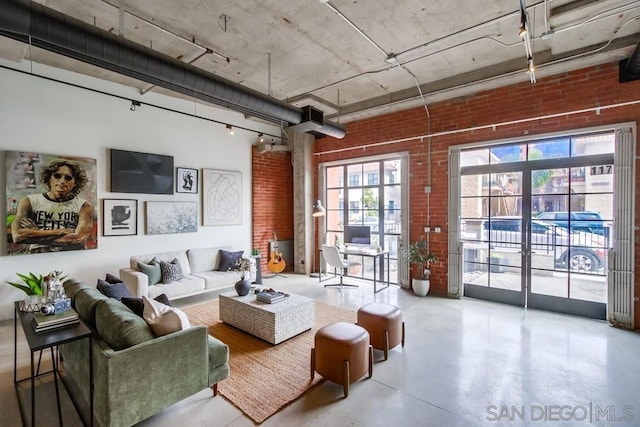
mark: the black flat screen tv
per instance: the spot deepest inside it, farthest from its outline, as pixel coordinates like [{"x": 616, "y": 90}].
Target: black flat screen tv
[
  {"x": 133, "y": 172},
  {"x": 357, "y": 235}
]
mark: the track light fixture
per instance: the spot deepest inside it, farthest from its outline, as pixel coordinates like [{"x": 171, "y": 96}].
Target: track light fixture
[
  {"x": 260, "y": 137},
  {"x": 523, "y": 32},
  {"x": 230, "y": 129},
  {"x": 134, "y": 104}
]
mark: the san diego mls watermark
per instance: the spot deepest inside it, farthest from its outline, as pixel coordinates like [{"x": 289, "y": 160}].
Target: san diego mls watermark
[{"x": 588, "y": 413}]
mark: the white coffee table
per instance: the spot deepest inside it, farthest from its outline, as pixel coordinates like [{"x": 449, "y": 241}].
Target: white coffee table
[{"x": 273, "y": 323}]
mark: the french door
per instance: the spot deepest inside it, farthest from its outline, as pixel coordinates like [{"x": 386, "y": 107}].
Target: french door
[{"x": 536, "y": 223}]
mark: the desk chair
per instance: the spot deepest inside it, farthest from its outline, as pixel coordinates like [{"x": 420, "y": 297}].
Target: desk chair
[{"x": 333, "y": 257}]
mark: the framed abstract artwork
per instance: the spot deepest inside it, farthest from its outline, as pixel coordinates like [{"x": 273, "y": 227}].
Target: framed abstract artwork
[
  {"x": 172, "y": 217},
  {"x": 221, "y": 197},
  {"x": 186, "y": 180},
  {"x": 119, "y": 217}
]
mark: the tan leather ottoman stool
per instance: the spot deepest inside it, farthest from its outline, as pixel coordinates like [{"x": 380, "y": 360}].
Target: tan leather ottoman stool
[
  {"x": 384, "y": 324},
  {"x": 342, "y": 354}
]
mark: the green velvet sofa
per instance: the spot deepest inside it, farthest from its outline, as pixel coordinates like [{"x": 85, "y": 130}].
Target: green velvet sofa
[{"x": 136, "y": 375}]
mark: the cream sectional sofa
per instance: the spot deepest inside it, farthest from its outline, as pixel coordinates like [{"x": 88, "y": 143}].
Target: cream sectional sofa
[{"x": 199, "y": 266}]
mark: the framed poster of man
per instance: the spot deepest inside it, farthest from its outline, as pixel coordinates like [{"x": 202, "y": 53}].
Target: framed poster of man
[{"x": 51, "y": 203}]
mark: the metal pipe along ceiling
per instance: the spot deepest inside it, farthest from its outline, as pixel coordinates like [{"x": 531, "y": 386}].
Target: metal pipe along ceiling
[{"x": 51, "y": 30}]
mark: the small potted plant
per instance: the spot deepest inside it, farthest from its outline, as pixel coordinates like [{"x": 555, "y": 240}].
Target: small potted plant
[
  {"x": 33, "y": 288},
  {"x": 419, "y": 254},
  {"x": 243, "y": 268}
]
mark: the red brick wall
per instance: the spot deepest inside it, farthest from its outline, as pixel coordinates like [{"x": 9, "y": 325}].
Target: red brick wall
[
  {"x": 586, "y": 88},
  {"x": 272, "y": 187}
]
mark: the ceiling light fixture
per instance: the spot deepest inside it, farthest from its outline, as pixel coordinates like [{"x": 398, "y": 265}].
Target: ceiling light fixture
[
  {"x": 260, "y": 137},
  {"x": 230, "y": 129},
  {"x": 134, "y": 104},
  {"x": 524, "y": 32}
]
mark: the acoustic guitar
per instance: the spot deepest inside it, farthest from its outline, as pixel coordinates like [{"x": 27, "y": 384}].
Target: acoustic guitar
[{"x": 276, "y": 263}]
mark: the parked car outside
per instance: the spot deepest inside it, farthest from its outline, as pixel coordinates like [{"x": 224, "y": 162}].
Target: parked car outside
[
  {"x": 590, "y": 222},
  {"x": 578, "y": 251}
]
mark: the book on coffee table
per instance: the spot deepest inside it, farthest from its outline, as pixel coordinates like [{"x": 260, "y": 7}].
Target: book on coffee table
[{"x": 270, "y": 296}]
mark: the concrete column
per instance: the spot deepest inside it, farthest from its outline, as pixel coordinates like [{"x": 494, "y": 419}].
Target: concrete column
[{"x": 302, "y": 158}]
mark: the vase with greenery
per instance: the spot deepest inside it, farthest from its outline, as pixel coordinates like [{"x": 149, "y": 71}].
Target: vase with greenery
[
  {"x": 243, "y": 268},
  {"x": 419, "y": 254}
]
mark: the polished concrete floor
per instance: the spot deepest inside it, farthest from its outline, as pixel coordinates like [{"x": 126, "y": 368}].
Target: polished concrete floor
[{"x": 466, "y": 363}]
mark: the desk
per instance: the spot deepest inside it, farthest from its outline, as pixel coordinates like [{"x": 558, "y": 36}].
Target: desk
[
  {"x": 42, "y": 341},
  {"x": 368, "y": 253}
]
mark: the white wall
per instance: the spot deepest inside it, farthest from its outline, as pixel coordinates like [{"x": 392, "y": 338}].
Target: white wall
[{"x": 46, "y": 116}]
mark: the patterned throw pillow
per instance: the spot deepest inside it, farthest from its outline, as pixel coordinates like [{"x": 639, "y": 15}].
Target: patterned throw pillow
[
  {"x": 228, "y": 260},
  {"x": 115, "y": 290},
  {"x": 152, "y": 270},
  {"x": 171, "y": 271}
]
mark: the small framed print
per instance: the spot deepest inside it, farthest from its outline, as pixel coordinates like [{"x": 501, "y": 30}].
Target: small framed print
[
  {"x": 119, "y": 217},
  {"x": 186, "y": 180}
]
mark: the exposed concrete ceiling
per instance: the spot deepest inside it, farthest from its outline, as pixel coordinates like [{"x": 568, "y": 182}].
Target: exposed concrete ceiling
[{"x": 355, "y": 59}]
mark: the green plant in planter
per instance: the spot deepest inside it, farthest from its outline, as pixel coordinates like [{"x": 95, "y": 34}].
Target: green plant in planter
[
  {"x": 32, "y": 284},
  {"x": 418, "y": 253}
]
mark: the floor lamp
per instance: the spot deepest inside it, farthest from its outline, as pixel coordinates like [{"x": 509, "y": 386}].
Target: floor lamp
[{"x": 318, "y": 211}]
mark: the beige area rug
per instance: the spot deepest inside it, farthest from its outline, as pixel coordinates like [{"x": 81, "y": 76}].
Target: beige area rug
[{"x": 265, "y": 378}]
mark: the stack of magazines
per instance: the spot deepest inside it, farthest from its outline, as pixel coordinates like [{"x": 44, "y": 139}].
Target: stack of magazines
[
  {"x": 270, "y": 296},
  {"x": 46, "y": 322}
]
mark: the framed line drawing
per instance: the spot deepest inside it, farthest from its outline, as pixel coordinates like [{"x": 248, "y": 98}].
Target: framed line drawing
[
  {"x": 186, "y": 180},
  {"x": 172, "y": 217},
  {"x": 221, "y": 197},
  {"x": 119, "y": 217}
]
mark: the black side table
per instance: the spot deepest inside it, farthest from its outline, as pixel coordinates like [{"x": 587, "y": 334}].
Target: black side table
[{"x": 42, "y": 341}]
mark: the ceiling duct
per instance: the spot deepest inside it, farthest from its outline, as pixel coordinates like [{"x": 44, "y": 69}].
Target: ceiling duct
[
  {"x": 266, "y": 148},
  {"x": 311, "y": 120},
  {"x": 40, "y": 26},
  {"x": 629, "y": 69}
]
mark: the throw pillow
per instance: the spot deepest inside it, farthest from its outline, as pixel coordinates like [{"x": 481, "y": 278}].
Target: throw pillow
[
  {"x": 228, "y": 259},
  {"x": 171, "y": 271},
  {"x": 119, "y": 327},
  {"x": 137, "y": 306},
  {"x": 152, "y": 270},
  {"x": 116, "y": 290},
  {"x": 112, "y": 279},
  {"x": 162, "y": 319}
]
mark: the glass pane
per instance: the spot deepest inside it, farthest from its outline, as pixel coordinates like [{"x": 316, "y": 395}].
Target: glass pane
[
  {"x": 475, "y": 266},
  {"x": 354, "y": 175},
  {"x": 334, "y": 176},
  {"x": 508, "y": 153},
  {"x": 554, "y": 149},
  {"x": 371, "y": 201},
  {"x": 472, "y": 185},
  {"x": 593, "y": 144},
  {"x": 334, "y": 199},
  {"x": 371, "y": 173},
  {"x": 550, "y": 181},
  {"x": 474, "y": 157},
  {"x": 391, "y": 244},
  {"x": 334, "y": 219},
  {"x": 355, "y": 202},
  {"x": 392, "y": 172}
]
